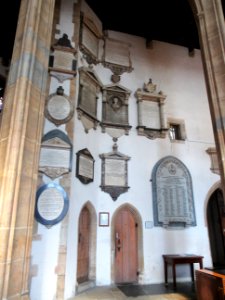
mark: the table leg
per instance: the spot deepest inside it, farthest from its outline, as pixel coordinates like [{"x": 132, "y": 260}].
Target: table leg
[
  {"x": 174, "y": 276},
  {"x": 192, "y": 272},
  {"x": 166, "y": 273}
]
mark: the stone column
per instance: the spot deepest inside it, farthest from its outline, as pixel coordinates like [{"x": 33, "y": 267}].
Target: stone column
[
  {"x": 20, "y": 137},
  {"x": 210, "y": 21}
]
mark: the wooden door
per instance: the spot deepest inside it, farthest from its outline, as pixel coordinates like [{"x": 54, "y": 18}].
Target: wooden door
[
  {"x": 125, "y": 247},
  {"x": 83, "y": 246}
]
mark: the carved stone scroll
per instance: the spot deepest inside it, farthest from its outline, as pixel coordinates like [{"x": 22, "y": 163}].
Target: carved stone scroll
[
  {"x": 115, "y": 110},
  {"x": 117, "y": 58},
  {"x": 89, "y": 88},
  {"x": 56, "y": 154},
  {"x": 173, "y": 201},
  {"x": 114, "y": 173},
  {"x": 151, "y": 121}
]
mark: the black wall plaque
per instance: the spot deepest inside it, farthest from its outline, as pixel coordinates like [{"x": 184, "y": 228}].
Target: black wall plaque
[{"x": 85, "y": 166}]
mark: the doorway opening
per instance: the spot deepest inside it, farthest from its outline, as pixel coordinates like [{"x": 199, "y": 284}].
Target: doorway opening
[
  {"x": 86, "y": 253},
  {"x": 216, "y": 228}
]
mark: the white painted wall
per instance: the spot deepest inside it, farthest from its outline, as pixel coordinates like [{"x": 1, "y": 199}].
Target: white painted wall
[{"x": 181, "y": 78}]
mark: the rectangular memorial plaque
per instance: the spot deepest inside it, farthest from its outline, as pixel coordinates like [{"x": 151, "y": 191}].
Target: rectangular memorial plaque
[
  {"x": 90, "y": 41},
  {"x": 117, "y": 52},
  {"x": 55, "y": 158},
  {"x": 150, "y": 114},
  {"x": 85, "y": 166},
  {"x": 115, "y": 172}
]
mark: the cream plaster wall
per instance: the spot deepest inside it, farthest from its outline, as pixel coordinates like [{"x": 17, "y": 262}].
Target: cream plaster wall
[{"x": 181, "y": 78}]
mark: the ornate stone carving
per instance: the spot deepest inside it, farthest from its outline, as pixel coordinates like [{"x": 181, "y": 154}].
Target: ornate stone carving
[
  {"x": 115, "y": 110},
  {"x": 151, "y": 121},
  {"x": 89, "y": 88},
  {"x": 114, "y": 172}
]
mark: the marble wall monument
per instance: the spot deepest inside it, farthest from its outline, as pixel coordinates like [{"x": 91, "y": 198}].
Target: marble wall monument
[{"x": 173, "y": 200}]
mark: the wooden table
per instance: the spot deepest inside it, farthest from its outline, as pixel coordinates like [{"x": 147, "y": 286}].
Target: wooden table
[{"x": 175, "y": 259}]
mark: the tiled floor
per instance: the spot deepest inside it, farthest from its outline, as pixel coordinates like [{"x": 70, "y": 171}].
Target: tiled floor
[{"x": 184, "y": 291}]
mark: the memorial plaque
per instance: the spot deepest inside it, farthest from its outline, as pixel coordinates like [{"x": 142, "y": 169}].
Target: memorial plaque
[
  {"x": 85, "y": 166},
  {"x": 114, "y": 172},
  {"x": 151, "y": 118},
  {"x": 62, "y": 62},
  {"x": 172, "y": 194},
  {"x": 56, "y": 154},
  {"x": 89, "y": 88},
  {"x": 51, "y": 204},
  {"x": 115, "y": 110},
  {"x": 150, "y": 114},
  {"x": 59, "y": 108}
]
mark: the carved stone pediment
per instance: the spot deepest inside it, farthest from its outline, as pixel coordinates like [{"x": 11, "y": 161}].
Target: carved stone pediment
[
  {"x": 62, "y": 62},
  {"x": 114, "y": 172},
  {"x": 151, "y": 119},
  {"x": 56, "y": 154},
  {"x": 89, "y": 88},
  {"x": 115, "y": 110},
  {"x": 117, "y": 58}
]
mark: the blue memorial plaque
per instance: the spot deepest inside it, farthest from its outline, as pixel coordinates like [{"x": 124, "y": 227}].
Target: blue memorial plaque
[{"x": 52, "y": 204}]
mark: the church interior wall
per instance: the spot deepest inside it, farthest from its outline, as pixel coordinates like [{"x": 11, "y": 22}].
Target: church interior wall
[{"x": 180, "y": 77}]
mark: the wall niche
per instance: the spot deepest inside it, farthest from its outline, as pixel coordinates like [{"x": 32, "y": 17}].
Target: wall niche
[{"x": 151, "y": 119}]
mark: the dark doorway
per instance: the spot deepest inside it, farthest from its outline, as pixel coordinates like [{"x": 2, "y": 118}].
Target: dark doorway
[{"x": 216, "y": 225}]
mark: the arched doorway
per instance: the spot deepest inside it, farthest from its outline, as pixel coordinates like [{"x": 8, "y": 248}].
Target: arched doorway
[
  {"x": 83, "y": 246},
  {"x": 125, "y": 237},
  {"x": 216, "y": 225}
]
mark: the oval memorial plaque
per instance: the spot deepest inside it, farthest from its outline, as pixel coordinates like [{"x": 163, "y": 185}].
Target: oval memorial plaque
[{"x": 51, "y": 204}]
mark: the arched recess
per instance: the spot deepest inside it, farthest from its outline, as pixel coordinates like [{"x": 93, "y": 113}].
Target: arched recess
[
  {"x": 138, "y": 220},
  {"x": 216, "y": 223},
  {"x": 92, "y": 239}
]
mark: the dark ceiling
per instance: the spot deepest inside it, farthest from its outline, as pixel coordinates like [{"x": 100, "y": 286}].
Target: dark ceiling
[{"x": 170, "y": 21}]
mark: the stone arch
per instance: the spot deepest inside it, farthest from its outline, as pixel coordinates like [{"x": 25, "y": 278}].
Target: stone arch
[
  {"x": 93, "y": 235},
  {"x": 138, "y": 219}
]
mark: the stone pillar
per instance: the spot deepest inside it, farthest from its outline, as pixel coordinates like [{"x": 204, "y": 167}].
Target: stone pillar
[
  {"x": 20, "y": 137},
  {"x": 210, "y": 21}
]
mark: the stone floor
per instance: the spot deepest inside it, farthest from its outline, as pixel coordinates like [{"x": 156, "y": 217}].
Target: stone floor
[{"x": 184, "y": 291}]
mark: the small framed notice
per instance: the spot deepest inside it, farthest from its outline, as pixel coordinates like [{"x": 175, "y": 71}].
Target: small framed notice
[
  {"x": 52, "y": 204},
  {"x": 103, "y": 219}
]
